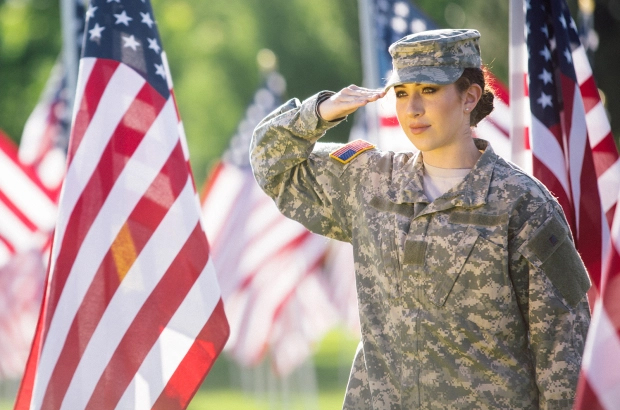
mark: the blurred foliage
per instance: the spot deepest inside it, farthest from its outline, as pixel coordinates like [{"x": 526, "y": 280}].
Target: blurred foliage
[
  {"x": 212, "y": 48},
  {"x": 29, "y": 44}
]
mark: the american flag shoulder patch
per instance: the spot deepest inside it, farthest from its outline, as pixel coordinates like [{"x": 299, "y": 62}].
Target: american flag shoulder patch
[{"x": 351, "y": 150}]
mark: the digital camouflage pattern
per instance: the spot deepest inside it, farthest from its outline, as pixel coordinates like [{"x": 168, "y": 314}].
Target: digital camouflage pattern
[
  {"x": 474, "y": 301},
  {"x": 434, "y": 56}
]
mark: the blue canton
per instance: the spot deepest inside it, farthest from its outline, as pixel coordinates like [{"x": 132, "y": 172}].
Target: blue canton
[
  {"x": 551, "y": 38},
  {"x": 125, "y": 31}
]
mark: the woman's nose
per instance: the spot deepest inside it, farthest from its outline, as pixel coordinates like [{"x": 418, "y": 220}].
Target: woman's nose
[{"x": 415, "y": 108}]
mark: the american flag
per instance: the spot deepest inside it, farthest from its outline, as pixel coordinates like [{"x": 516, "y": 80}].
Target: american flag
[
  {"x": 575, "y": 156},
  {"x": 274, "y": 279},
  {"x": 132, "y": 315},
  {"x": 573, "y": 150},
  {"x": 392, "y": 20},
  {"x": 27, "y": 215}
]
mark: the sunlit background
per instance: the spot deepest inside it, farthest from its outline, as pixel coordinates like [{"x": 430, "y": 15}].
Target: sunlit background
[{"x": 212, "y": 48}]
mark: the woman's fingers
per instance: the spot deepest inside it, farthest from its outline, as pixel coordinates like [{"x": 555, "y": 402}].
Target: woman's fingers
[{"x": 347, "y": 101}]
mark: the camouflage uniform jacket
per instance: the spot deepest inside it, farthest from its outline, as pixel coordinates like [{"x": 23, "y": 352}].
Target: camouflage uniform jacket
[{"x": 476, "y": 300}]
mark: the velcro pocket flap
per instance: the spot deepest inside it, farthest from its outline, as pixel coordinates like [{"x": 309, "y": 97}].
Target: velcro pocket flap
[
  {"x": 552, "y": 250},
  {"x": 448, "y": 272},
  {"x": 386, "y": 205}
]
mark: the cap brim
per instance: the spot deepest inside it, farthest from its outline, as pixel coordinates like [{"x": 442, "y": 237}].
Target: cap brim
[{"x": 424, "y": 75}]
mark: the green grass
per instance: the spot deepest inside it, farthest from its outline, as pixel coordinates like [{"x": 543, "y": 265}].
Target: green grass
[{"x": 317, "y": 385}]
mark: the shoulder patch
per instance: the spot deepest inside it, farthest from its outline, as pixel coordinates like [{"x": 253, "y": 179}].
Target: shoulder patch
[{"x": 351, "y": 150}]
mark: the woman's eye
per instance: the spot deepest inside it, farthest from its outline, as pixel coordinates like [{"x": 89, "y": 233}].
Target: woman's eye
[
  {"x": 400, "y": 94},
  {"x": 428, "y": 90}
]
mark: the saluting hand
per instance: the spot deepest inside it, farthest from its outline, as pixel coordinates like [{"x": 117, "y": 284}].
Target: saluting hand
[{"x": 347, "y": 101}]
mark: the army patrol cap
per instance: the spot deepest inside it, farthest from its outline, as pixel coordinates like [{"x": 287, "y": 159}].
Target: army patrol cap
[{"x": 433, "y": 57}]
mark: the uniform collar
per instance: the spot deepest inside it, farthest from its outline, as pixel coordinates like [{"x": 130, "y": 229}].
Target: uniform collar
[{"x": 406, "y": 186}]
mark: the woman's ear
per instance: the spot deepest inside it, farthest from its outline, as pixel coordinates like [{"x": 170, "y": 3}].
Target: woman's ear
[{"x": 472, "y": 96}]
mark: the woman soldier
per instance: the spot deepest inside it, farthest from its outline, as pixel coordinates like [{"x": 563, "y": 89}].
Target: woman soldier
[{"x": 470, "y": 291}]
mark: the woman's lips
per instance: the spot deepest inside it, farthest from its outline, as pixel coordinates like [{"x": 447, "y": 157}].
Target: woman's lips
[{"x": 418, "y": 128}]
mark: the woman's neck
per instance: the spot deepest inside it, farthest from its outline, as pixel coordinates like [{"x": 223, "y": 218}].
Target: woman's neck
[{"x": 464, "y": 154}]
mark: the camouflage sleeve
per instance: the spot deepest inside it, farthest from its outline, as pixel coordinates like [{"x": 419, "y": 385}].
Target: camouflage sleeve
[
  {"x": 296, "y": 173},
  {"x": 551, "y": 284}
]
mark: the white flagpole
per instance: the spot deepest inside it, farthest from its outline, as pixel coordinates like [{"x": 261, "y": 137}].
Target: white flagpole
[
  {"x": 370, "y": 62},
  {"x": 370, "y": 65},
  {"x": 518, "y": 102},
  {"x": 69, "y": 47}
]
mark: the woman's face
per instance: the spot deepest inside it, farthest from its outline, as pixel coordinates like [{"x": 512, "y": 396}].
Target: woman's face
[{"x": 432, "y": 116}]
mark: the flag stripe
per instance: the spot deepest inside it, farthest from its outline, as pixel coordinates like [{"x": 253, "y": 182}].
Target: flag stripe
[
  {"x": 191, "y": 321},
  {"x": 149, "y": 322},
  {"x": 14, "y": 231},
  {"x": 548, "y": 152},
  {"x": 98, "y": 72},
  {"x": 143, "y": 221},
  {"x": 17, "y": 212},
  {"x": 602, "y": 375},
  {"x": 25, "y": 189},
  {"x": 202, "y": 351},
  {"x": 6, "y": 251}
]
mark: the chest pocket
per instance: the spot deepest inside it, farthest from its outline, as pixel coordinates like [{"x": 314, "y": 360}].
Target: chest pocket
[{"x": 445, "y": 264}]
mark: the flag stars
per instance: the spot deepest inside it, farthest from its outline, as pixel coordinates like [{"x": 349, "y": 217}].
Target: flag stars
[
  {"x": 545, "y": 30},
  {"x": 113, "y": 1},
  {"x": 95, "y": 32},
  {"x": 563, "y": 20},
  {"x": 545, "y": 76},
  {"x": 573, "y": 25},
  {"x": 153, "y": 45},
  {"x": 546, "y": 53},
  {"x": 90, "y": 12},
  {"x": 159, "y": 70},
  {"x": 544, "y": 100},
  {"x": 123, "y": 18},
  {"x": 130, "y": 42},
  {"x": 568, "y": 55},
  {"x": 146, "y": 19}
]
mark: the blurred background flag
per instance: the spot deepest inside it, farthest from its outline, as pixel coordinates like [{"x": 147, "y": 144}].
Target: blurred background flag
[
  {"x": 132, "y": 315},
  {"x": 383, "y": 22},
  {"x": 27, "y": 215},
  {"x": 274, "y": 273},
  {"x": 27, "y": 207},
  {"x": 45, "y": 137},
  {"x": 575, "y": 156}
]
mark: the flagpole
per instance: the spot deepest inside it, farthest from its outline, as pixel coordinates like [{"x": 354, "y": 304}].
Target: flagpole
[
  {"x": 517, "y": 59},
  {"x": 69, "y": 47},
  {"x": 370, "y": 63}
]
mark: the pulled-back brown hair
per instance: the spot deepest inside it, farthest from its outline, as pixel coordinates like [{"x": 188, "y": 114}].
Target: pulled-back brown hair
[{"x": 485, "y": 104}]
